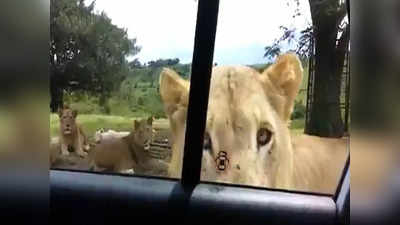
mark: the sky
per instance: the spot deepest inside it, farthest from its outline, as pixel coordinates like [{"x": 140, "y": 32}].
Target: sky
[{"x": 165, "y": 28}]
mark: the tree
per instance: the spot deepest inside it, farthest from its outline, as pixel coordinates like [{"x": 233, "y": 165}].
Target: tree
[
  {"x": 327, "y": 24},
  {"x": 163, "y": 62},
  {"x": 325, "y": 118},
  {"x": 135, "y": 64},
  {"x": 87, "y": 52}
]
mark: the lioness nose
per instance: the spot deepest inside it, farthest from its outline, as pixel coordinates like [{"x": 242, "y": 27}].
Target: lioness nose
[{"x": 67, "y": 125}]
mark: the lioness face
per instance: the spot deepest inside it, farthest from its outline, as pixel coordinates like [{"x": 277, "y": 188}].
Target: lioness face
[
  {"x": 247, "y": 139},
  {"x": 244, "y": 126},
  {"x": 67, "y": 120},
  {"x": 144, "y": 132}
]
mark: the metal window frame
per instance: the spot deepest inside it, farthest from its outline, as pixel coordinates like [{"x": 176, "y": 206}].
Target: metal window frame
[{"x": 188, "y": 197}]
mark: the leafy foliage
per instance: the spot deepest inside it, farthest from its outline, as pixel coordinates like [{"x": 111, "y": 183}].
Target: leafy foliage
[
  {"x": 327, "y": 41},
  {"x": 87, "y": 52},
  {"x": 299, "y": 111},
  {"x": 302, "y": 38},
  {"x": 163, "y": 62}
]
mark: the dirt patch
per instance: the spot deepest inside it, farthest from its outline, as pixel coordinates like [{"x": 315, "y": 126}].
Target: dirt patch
[
  {"x": 157, "y": 167},
  {"x": 71, "y": 161}
]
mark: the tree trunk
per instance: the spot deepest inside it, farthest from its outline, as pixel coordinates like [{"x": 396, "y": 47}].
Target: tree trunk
[
  {"x": 325, "y": 116},
  {"x": 56, "y": 94},
  {"x": 341, "y": 52}
]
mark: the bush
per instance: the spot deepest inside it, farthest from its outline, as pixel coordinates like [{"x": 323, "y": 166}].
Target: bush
[
  {"x": 140, "y": 101},
  {"x": 127, "y": 101},
  {"x": 82, "y": 102},
  {"x": 119, "y": 107},
  {"x": 86, "y": 108},
  {"x": 299, "y": 111}
]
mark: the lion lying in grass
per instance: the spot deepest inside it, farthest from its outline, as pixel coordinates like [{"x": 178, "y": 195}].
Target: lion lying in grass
[
  {"x": 247, "y": 123},
  {"x": 101, "y": 134},
  {"x": 123, "y": 154}
]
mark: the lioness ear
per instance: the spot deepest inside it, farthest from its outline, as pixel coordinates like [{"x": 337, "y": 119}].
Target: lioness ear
[
  {"x": 286, "y": 74},
  {"x": 74, "y": 113},
  {"x": 174, "y": 90}
]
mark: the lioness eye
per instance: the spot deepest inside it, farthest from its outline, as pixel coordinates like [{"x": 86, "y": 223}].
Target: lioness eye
[
  {"x": 263, "y": 136},
  {"x": 207, "y": 142}
]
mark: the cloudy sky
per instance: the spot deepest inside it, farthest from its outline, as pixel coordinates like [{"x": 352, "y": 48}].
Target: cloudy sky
[{"x": 165, "y": 28}]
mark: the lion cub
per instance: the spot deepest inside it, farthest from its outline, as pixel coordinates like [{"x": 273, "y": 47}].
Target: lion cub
[
  {"x": 123, "y": 154},
  {"x": 71, "y": 133}
]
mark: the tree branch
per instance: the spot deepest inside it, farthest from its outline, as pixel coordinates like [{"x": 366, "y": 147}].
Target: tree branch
[
  {"x": 341, "y": 50},
  {"x": 344, "y": 39},
  {"x": 342, "y": 12}
]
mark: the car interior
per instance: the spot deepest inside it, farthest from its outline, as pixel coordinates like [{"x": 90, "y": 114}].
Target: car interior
[{"x": 85, "y": 197}]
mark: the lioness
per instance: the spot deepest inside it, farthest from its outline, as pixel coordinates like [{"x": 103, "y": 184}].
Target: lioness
[
  {"x": 247, "y": 127},
  {"x": 57, "y": 160},
  {"x": 121, "y": 154},
  {"x": 54, "y": 150},
  {"x": 71, "y": 133},
  {"x": 101, "y": 134}
]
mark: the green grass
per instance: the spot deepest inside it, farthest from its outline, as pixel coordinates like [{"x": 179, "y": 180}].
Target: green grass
[{"x": 93, "y": 122}]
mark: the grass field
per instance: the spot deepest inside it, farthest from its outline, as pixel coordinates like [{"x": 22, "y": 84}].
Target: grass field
[{"x": 92, "y": 122}]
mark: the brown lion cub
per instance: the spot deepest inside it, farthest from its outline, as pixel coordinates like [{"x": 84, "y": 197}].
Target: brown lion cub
[
  {"x": 71, "y": 133},
  {"x": 123, "y": 154}
]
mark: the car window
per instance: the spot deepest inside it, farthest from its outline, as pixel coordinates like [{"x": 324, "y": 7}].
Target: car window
[
  {"x": 114, "y": 84},
  {"x": 278, "y": 107},
  {"x": 120, "y": 86}
]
